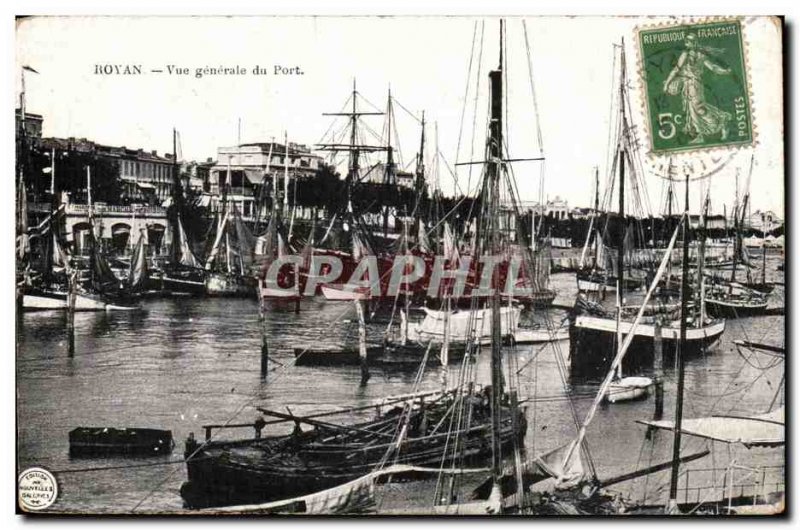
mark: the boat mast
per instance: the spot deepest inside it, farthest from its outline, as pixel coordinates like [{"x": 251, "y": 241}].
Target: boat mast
[
  {"x": 353, "y": 147},
  {"x": 90, "y": 213},
  {"x": 388, "y": 173},
  {"x": 286, "y": 174},
  {"x": 763, "y": 249},
  {"x": 176, "y": 197},
  {"x": 493, "y": 175},
  {"x": 354, "y": 152},
  {"x": 701, "y": 257},
  {"x": 419, "y": 185},
  {"x": 676, "y": 442},
  {"x": 621, "y": 239}
]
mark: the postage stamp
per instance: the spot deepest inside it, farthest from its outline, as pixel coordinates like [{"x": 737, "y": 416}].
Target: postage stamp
[{"x": 695, "y": 86}]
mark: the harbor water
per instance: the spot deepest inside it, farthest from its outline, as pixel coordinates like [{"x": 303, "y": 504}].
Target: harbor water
[{"x": 181, "y": 363}]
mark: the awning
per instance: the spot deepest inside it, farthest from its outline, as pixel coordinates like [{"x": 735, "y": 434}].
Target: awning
[
  {"x": 254, "y": 176},
  {"x": 766, "y": 430},
  {"x": 120, "y": 229},
  {"x": 145, "y": 185}
]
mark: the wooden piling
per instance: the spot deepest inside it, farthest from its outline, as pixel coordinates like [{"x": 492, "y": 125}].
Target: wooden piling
[
  {"x": 659, "y": 389},
  {"x": 362, "y": 343},
  {"x": 658, "y": 376},
  {"x": 658, "y": 350},
  {"x": 262, "y": 321},
  {"x": 72, "y": 296}
]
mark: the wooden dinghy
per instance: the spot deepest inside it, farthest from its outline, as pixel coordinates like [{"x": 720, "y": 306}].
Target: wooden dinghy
[
  {"x": 97, "y": 441},
  {"x": 628, "y": 389}
]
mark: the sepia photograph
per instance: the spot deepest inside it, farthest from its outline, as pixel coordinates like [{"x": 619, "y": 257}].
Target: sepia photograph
[{"x": 400, "y": 265}]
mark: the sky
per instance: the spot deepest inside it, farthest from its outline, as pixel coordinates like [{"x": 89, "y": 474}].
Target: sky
[{"x": 424, "y": 60}]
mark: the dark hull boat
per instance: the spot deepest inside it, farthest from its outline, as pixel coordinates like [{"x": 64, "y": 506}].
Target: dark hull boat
[
  {"x": 262, "y": 470},
  {"x": 734, "y": 307},
  {"x": 732, "y": 300},
  {"x": 94, "y": 441},
  {"x": 592, "y": 342},
  {"x": 184, "y": 280},
  {"x": 410, "y": 354}
]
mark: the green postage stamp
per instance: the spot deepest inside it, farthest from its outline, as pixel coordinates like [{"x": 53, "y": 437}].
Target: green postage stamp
[{"x": 695, "y": 86}]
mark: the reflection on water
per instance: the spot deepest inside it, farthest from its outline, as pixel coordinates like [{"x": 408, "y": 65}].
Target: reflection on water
[{"x": 182, "y": 363}]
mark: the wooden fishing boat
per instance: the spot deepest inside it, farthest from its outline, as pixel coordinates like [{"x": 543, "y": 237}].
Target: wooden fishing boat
[
  {"x": 99, "y": 441},
  {"x": 595, "y": 334},
  {"x": 228, "y": 264},
  {"x": 184, "y": 280},
  {"x": 55, "y": 298},
  {"x": 225, "y": 284},
  {"x": 593, "y": 337},
  {"x": 261, "y": 470},
  {"x": 733, "y": 300},
  {"x": 463, "y": 324}
]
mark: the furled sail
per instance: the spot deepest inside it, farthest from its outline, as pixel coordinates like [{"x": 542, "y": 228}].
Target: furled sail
[
  {"x": 103, "y": 278},
  {"x": 138, "y": 272},
  {"x": 766, "y": 430},
  {"x": 423, "y": 243},
  {"x": 59, "y": 255},
  {"x": 23, "y": 247},
  {"x": 449, "y": 243},
  {"x": 187, "y": 257},
  {"x": 221, "y": 227},
  {"x": 245, "y": 241}
]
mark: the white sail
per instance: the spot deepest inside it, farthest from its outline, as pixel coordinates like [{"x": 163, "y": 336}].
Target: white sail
[
  {"x": 768, "y": 430},
  {"x": 463, "y": 324},
  {"x": 449, "y": 243},
  {"x": 423, "y": 243},
  {"x": 221, "y": 229},
  {"x": 187, "y": 257}
]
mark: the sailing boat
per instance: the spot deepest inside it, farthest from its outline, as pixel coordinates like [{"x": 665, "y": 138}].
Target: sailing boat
[
  {"x": 358, "y": 243},
  {"x": 184, "y": 274},
  {"x": 414, "y": 432},
  {"x": 102, "y": 291},
  {"x": 731, "y": 298},
  {"x": 594, "y": 333},
  {"x": 228, "y": 264}
]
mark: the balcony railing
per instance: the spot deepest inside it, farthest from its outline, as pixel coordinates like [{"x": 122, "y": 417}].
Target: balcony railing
[{"x": 83, "y": 209}]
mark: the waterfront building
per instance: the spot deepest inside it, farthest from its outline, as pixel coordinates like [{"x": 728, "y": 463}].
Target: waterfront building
[
  {"x": 254, "y": 165},
  {"x": 117, "y": 227},
  {"x": 33, "y": 123},
  {"x": 146, "y": 176}
]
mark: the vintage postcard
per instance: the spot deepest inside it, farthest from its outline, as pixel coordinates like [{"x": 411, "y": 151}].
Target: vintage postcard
[{"x": 405, "y": 265}]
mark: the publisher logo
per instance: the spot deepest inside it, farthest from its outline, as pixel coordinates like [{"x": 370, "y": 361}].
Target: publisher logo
[{"x": 36, "y": 489}]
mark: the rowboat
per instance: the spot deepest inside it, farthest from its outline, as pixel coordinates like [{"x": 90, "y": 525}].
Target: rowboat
[{"x": 628, "y": 389}]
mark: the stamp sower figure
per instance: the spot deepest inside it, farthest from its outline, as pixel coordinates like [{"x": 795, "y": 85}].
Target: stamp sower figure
[{"x": 686, "y": 78}]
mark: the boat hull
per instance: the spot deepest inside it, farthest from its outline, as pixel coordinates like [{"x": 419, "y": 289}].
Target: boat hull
[
  {"x": 96, "y": 441},
  {"x": 224, "y": 474},
  {"x": 628, "y": 389},
  {"x": 732, "y": 309},
  {"x": 46, "y": 300},
  {"x": 339, "y": 294},
  {"x": 184, "y": 281},
  {"x": 230, "y": 285},
  {"x": 592, "y": 343}
]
